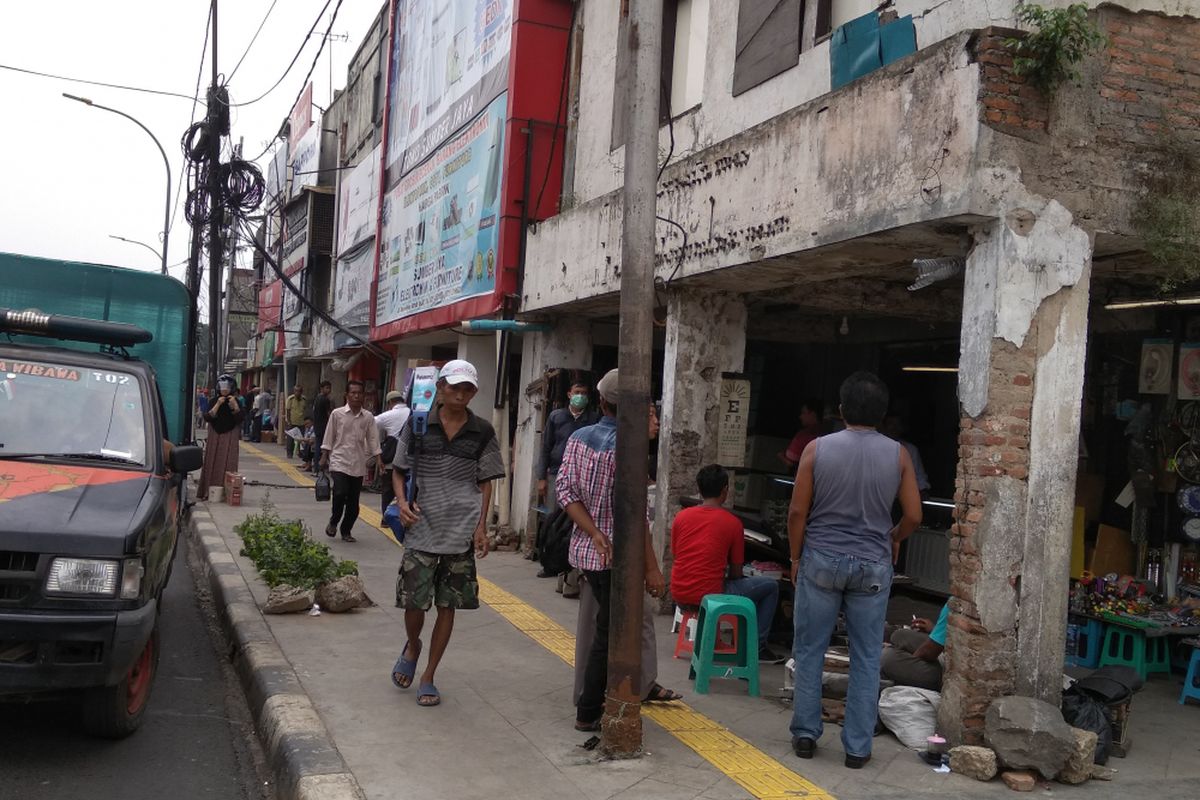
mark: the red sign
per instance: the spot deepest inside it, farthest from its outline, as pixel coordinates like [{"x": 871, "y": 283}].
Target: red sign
[
  {"x": 301, "y": 118},
  {"x": 270, "y": 305}
]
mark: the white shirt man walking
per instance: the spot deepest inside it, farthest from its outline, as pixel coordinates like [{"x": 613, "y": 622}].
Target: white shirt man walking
[
  {"x": 390, "y": 423},
  {"x": 351, "y": 439}
]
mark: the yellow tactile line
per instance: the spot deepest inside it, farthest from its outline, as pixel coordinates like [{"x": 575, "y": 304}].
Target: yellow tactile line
[{"x": 751, "y": 768}]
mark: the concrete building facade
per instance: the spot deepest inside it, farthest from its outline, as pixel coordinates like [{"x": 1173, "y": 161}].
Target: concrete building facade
[{"x": 788, "y": 205}]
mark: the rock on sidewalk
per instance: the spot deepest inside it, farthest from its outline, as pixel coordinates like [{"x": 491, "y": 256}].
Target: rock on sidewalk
[
  {"x": 344, "y": 594},
  {"x": 285, "y": 599},
  {"x": 974, "y": 762},
  {"x": 1028, "y": 734},
  {"x": 1079, "y": 765},
  {"x": 1019, "y": 780}
]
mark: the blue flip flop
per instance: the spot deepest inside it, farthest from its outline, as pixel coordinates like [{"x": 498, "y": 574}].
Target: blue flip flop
[
  {"x": 428, "y": 690},
  {"x": 405, "y": 667}
]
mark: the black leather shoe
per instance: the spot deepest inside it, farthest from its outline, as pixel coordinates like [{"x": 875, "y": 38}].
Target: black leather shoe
[
  {"x": 803, "y": 746},
  {"x": 856, "y": 762}
]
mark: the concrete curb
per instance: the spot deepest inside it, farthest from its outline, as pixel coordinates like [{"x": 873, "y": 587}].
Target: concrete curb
[{"x": 298, "y": 747}]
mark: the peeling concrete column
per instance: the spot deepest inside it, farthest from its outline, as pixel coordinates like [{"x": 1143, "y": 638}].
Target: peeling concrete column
[
  {"x": 569, "y": 345},
  {"x": 706, "y": 336},
  {"x": 1024, "y": 339}
]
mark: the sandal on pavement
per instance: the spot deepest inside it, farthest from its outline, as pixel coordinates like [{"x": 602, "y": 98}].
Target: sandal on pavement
[
  {"x": 660, "y": 694},
  {"x": 428, "y": 696},
  {"x": 587, "y": 727},
  {"x": 405, "y": 668},
  {"x": 331, "y": 530},
  {"x": 349, "y": 539}
]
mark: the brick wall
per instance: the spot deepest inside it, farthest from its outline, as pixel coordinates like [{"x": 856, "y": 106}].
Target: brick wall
[
  {"x": 1146, "y": 83},
  {"x": 993, "y": 448}
]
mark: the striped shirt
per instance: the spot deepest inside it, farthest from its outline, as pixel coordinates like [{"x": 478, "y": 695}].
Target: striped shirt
[
  {"x": 586, "y": 476},
  {"x": 450, "y": 474}
]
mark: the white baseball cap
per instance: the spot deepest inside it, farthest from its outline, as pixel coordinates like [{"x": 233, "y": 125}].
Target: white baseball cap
[{"x": 459, "y": 371}]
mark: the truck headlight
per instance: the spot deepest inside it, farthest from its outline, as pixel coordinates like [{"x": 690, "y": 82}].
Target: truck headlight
[
  {"x": 83, "y": 576},
  {"x": 131, "y": 578}
]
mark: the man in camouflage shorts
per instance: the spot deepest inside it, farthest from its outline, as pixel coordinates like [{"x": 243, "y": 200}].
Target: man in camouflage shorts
[{"x": 455, "y": 463}]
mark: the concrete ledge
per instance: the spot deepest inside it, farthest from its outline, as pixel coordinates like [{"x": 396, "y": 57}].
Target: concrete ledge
[{"x": 303, "y": 758}]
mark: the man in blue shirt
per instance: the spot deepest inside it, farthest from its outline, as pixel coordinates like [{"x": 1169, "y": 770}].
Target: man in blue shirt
[{"x": 911, "y": 658}]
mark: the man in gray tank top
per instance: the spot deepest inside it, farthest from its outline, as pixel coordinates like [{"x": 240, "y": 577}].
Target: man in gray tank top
[{"x": 843, "y": 544}]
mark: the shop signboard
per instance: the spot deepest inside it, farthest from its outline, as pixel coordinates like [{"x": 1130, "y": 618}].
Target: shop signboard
[
  {"x": 440, "y": 231},
  {"x": 352, "y": 289},
  {"x": 733, "y": 421},
  {"x": 295, "y": 237},
  {"x": 1189, "y": 371},
  {"x": 277, "y": 176},
  {"x": 358, "y": 203},
  {"x": 269, "y": 301},
  {"x": 450, "y": 61},
  {"x": 305, "y": 161},
  {"x": 1154, "y": 374},
  {"x": 300, "y": 120}
]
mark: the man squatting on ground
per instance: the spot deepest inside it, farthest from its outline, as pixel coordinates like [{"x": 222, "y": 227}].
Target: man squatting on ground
[
  {"x": 455, "y": 463},
  {"x": 843, "y": 545}
]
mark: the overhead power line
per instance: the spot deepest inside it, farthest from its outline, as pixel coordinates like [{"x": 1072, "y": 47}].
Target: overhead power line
[
  {"x": 253, "y": 39},
  {"x": 120, "y": 86},
  {"x": 295, "y": 58}
]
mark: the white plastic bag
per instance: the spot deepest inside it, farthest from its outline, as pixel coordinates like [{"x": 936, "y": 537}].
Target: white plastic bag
[{"x": 910, "y": 713}]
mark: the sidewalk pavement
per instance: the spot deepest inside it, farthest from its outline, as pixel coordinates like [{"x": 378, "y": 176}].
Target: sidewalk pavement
[{"x": 504, "y": 728}]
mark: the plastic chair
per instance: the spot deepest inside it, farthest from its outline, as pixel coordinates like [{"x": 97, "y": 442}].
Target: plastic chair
[
  {"x": 1191, "y": 684},
  {"x": 1090, "y": 637},
  {"x": 742, "y": 662},
  {"x": 1158, "y": 655},
  {"x": 685, "y": 638}
]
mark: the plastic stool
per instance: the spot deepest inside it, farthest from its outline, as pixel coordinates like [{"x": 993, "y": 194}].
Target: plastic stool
[
  {"x": 1091, "y": 636},
  {"x": 743, "y": 662},
  {"x": 1191, "y": 684},
  {"x": 1128, "y": 648},
  {"x": 684, "y": 641}
]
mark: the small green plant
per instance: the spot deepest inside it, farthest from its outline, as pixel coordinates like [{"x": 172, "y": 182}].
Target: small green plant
[
  {"x": 1060, "y": 38},
  {"x": 1167, "y": 218},
  {"x": 283, "y": 552}
]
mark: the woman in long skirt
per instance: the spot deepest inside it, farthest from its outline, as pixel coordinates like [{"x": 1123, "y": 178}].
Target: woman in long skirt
[{"x": 224, "y": 435}]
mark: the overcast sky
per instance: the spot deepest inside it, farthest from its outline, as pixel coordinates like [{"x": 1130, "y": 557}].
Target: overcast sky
[{"x": 73, "y": 175}]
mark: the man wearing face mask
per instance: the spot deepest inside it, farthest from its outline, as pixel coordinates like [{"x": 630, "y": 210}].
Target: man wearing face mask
[{"x": 561, "y": 423}]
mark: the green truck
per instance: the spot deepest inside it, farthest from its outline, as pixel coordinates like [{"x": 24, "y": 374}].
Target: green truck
[{"x": 94, "y": 416}]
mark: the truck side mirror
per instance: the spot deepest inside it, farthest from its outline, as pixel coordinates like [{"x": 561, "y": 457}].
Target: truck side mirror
[{"x": 186, "y": 458}]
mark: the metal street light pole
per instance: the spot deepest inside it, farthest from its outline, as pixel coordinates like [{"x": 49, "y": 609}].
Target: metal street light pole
[
  {"x": 166, "y": 163},
  {"x": 135, "y": 241}
]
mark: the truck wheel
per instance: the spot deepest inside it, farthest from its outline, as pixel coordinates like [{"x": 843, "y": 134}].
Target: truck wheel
[{"x": 114, "y": 712}]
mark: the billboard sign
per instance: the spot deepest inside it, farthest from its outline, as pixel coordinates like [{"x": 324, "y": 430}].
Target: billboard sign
[
  {"x": 441, "y": 223},
  {"x": 301, "y": 118},
  {"x": 270, "y": 298},
  {"x": 358, "y": 203},
  {"x": 450, "y": 61},
  {"x": 295, "y": 237},
  {"x": 277, "y": 176},
  {"x": 305, "y": 161}
]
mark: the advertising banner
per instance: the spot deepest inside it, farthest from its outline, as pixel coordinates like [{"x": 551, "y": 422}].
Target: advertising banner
[
  {"x": 450, "y": 61},
  {"x": 295, "y": 237},
  {"x": 269, "y": 300},
  {"x": 1189, "y": 371},
  {"x": 440, "y": 223},
  {"x": 301, "y": 118},
  {"x": 1154, "y": 373},
  {"x": 305, "y": 161},
  {"x": 352, "y": 288},
  {"x": 277, "y": 176},
  {"x": 358, "y": 203}
]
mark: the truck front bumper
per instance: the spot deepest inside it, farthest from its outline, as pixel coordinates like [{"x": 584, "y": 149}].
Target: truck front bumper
[{"x": 47, "y": 651}]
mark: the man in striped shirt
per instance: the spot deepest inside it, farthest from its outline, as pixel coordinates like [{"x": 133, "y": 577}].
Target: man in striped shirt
[
  {"x": 585, "y": 491},
  {"x": 455, "y": 462}
]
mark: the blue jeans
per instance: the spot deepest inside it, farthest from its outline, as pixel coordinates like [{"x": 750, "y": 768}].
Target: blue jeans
[
  {"x": 765, "y": 594},
  {"x": 827, "y": 583}
]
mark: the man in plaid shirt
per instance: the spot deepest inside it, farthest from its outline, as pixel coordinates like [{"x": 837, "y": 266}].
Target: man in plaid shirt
[{"x": 585, "y": 492}]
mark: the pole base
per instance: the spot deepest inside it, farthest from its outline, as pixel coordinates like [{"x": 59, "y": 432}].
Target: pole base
[{"x": 621, "y": 729}]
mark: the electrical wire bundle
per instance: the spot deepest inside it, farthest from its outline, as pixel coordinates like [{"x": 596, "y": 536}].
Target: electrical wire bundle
[
  {"x": 243, "y": 186},
  {"x": 195, "y": 144}
]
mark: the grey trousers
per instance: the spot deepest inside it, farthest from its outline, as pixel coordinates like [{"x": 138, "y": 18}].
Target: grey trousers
[
  {"x": 899, "y": 665},
  {"x": 585, "y": 631}
]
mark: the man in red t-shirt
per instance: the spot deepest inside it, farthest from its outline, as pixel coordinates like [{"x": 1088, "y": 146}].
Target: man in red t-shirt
[{"x": 705, "y": 540}]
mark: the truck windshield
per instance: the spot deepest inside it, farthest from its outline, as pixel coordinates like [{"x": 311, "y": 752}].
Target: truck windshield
[{"x": 59, "y": 410}]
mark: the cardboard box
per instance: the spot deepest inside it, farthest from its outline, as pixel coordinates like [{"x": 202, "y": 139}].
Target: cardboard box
[
  {"x": 1114, "y": 552},
  {"x": 234, "y": 483}
]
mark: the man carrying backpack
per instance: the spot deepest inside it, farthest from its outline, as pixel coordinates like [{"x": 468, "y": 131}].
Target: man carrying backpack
[
  {"x": 390, "y": 423},
  {"x": 455, "y": 462}
]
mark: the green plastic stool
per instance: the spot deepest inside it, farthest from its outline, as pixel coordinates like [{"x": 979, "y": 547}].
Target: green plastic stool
[
  {"x": 741, "y": 663},
  {"x": 1130, "y": 648}
]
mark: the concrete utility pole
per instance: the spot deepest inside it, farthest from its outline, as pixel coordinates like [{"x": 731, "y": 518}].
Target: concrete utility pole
[
  {"x": 641, "y": 41},
  {"x": 217, "y": 217}
]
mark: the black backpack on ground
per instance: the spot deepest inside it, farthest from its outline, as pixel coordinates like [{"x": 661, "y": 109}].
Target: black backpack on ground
[{"x": 555, "y": 540}]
